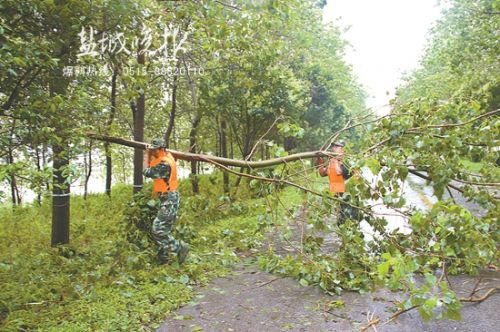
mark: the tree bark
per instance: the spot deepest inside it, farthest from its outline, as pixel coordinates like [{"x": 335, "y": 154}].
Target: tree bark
[
  {"x": 88, "y": 168},
  {"x": 39, "y": 169},
  {"x": 16, "y": 199},
  {"x": 192, "y": 149},
  {"x": 173, "y": 112},
  {"x": 109, "y": 160},
  {"x": 139, "y": 132},
  {"x": 217, "y": 160},
  {"x": 44, "y": 162},
  {"x": 60, "y": 162},
  {"x": 60, "y": 195},
  {"x": 14, "y": 190},
  {"x": 223, "y": 143}
]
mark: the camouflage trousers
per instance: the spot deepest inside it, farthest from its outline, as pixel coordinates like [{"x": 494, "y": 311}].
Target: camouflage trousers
[
  {"x": 163, "y": 224},
  {"x": 346, "y": 211}
]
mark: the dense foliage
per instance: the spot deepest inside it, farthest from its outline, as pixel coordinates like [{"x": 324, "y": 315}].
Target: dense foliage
[
  {"x": 268, "y": 67},
  {"x": 443, "y": 128},
  {"x": 238, "y": 69},
  {"x": 104, "y": 282}
]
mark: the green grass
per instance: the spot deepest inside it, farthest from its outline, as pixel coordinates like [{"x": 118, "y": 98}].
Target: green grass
[
  {"x": 102, "y": 282},
  {"x": 472, "y": 166}
]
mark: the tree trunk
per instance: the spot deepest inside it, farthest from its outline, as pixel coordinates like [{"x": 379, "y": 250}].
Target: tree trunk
[
  {"x": 139, "y": 133},
  {"x": 60, "y": 194},
  {"x": 39, "y": 169},
  {"x": 14, "y": 191},
  {"x": 192, "y": 149},
  {"x": 225, "y": 175},
  {"x": 107, "y": 150},
  {"x": 60, "y": 162},
  {"x": 231, "y": 145},
  {"x": 44, "y": 162},
  {"x": 88, "y": 167},
  {"x": 245, "y": 153},
  {"x": 173, "y": 111},
  {"x": 109, "y": 169}
]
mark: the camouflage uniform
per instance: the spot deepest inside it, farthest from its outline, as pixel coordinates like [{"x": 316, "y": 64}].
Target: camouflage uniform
[{"x": 164, "y": 221}]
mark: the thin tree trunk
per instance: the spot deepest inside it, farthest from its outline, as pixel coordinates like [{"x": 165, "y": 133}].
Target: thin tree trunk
[
  {"x": 139, "y": 132},
  {"x": 107, "y": 150},
  {"x": 231, "y": 147},
  {"x": 85, "y": 170},
  {"x": 88, "y": 173},
  {"x": 173, "y": 111},
  {"x": 174, "y": 140},
  {"x": 14, "y": 191},
  {"x": 246, "y": 152},
  {"x": 16, "y": 199},
  {"x": 192, "y": 149},
  {"x": 225, "y": 175},
  {"x": 39, "y": 169},
  {"x": 247, "y": 147},
  {"x": 44, "y": 162}
]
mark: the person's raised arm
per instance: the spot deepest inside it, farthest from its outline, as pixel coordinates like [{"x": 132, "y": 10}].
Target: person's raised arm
[{"x": 322, "y": 169}]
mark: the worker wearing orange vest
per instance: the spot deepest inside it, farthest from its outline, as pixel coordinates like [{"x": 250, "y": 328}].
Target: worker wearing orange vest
[
  {"x": 161, "y": 167},
  {"x": 337, "y": 174}
]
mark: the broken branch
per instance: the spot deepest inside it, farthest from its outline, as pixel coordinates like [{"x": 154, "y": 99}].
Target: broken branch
[{"x": 214, "y": 159}]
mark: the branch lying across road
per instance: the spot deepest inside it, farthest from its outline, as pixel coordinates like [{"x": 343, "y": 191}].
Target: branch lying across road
[{"x": 214, "y": 159}]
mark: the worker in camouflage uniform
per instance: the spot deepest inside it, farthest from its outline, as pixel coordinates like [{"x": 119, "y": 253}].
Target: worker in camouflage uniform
[{"x": 161, "y": 167}]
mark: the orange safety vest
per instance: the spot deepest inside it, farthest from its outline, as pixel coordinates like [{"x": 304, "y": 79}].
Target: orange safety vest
[
  {"x": 160, "y": 185},
  {"x": 337, "y": 184}
]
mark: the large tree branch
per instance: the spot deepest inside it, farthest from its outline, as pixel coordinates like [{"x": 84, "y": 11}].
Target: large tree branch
[{"x": 214, "y": 159}]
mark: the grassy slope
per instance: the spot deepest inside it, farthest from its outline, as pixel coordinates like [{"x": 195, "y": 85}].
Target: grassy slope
[{"x": 101, "y": 281}]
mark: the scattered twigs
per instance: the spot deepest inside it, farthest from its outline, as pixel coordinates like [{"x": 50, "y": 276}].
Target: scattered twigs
[
  {"x": 371, "y": 322},
  {"x": 399, "y": 313},
  {"x": 490, "y": 292},
  {"x": 474, "y": 290},
  {"x": 267, "y": 282}
]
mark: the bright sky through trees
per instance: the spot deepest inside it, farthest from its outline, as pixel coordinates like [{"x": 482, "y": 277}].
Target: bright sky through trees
[{"x": 388, "y": 38}]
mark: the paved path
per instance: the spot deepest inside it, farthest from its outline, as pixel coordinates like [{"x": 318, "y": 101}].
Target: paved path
[{"x": 253, "y": 300}]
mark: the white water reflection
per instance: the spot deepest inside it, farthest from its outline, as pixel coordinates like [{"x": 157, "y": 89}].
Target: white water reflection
[{"x": 395, "y": 218}]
